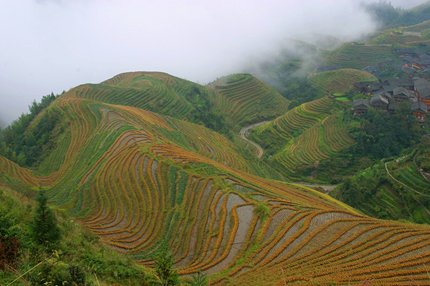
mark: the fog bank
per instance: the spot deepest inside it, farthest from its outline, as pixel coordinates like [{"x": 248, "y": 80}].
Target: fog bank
[{"x": 55, "y": 45}]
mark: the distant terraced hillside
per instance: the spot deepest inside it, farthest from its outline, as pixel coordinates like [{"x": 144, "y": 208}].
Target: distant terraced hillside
[
  {"x": 244, "y": 99},
  {"x": 153, "y": 91},
  {"x": 339, "y": 81},
  {"x": 359, "y": 56},
  {"x": 140, "y": 181},
  {"x": 304, "y": 135},
  {"x": 241, "y": 99},
  {"x": 404, "y": 35}
]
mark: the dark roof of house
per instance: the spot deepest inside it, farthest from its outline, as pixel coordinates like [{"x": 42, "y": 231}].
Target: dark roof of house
[
  {"x": 361, "y": 101},
  {"x": 421, "y": 81},
  {"x": 370, "y": 69},
  {"x": 406, "y": 82},
  {"x": 374, "y": 86},
  {"x": 419, "y": 52},
  {"x": 424, "y": 91},
  {"x": 405, "y": 51},
  {"x": 379, "y": 98},
  {"x": 393, "y": 82},
  {"x": 424, "y": 56},
  {"x": 408, "y": 59},
  {"x": 401, "y": 92},
  {"x": 422, "y": 86},
  {"x": 383, "y": 93},
  {"x": 409, "y": 71},
  {"x": 424, "y": 62},
  {"x": 419, "y": 107},
  {"x": 389, "y": 88}
]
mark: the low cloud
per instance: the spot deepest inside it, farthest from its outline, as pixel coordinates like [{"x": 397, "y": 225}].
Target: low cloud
[{"x": 55, "y": 45}]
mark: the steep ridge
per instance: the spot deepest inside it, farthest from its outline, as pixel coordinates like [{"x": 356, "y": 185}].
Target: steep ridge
[
  {"x": 140, "y": 180},
  {"x": 152, "y": 91},
  {"x": 244, "y": 99}
]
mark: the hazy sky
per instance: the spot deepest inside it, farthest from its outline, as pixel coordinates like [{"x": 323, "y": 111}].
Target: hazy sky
[{"x": 49, "y": 45}]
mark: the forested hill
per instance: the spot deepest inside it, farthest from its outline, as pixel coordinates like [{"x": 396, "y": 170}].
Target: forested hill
[{"x": 392, "y": 17}]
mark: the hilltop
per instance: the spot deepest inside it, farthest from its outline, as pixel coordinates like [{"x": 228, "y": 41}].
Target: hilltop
[{"x": 213, "y": 106}]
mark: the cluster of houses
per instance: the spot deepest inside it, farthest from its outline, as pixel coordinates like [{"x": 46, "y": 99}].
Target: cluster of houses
[
  {"x": 388, "y": 94},
  {"x": 413, "y": 62}
]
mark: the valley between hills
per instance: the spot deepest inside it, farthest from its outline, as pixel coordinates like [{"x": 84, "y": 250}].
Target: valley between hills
[{"x": 146, "y": 160}]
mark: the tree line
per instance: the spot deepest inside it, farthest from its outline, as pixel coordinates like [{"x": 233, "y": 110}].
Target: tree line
[{"x": 25, "y": 147}]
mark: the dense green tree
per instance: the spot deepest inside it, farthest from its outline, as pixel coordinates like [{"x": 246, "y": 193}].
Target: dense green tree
[
  {"x": 44, "y": 227},
  {"x": 9, "y": 243},
  {"x": 167, "y": 276}
]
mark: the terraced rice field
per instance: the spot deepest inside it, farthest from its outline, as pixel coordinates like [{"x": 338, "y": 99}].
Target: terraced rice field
[
  {"x": 319, "y": 142},
  {"x": 129, "y": 178},
  {"x": 410, "y": 176},
  {"x": 359, "y": 56},
  {"x": 13, "y": 170},
  {"x": 305, "y": 135},
  {"x": 339, "y": 81},
  {"x": 419, "y": 27},
  {"x": 299, "y": 118},
  {"x": 153, "y": 91},
  {"x": 245, "y": 99},
  {"x": 391, "y": 38}
]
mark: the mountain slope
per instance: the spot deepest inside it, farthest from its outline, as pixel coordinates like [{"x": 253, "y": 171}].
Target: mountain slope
[
  {"x": 303, "y": 136},
  {"x": 140, "y": 180},
  {"x": 244, "y": 99},
  {"x": 339, "y": 81},
  {"x": 151, "y": 91},
  {"x": 241, "y": 99}
]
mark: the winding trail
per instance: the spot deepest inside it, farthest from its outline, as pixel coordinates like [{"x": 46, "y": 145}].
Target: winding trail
[
  {"x": 386, "y": 168},
  {"x": 313, "y": 186},
  {"x": 245, "y": 131}
]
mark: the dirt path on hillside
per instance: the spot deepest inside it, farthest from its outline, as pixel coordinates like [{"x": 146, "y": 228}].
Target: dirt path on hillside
[
  {"x": 386, "y": 168},
  {"x": 313, "y": 186},
  {"x": 245, "y": 132}
]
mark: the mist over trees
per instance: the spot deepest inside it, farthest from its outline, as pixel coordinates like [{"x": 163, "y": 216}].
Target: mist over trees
[{"x": 393, "y": 17}]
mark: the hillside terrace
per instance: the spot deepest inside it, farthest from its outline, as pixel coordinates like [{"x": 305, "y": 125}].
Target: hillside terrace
[
  {"x": 413, "y": 62},
  {"x": 387, "y": 94}
]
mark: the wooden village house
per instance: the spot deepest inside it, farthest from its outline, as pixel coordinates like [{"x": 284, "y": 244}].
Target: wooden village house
[
  {"x": 420, "y": 110},
  {"x": 401, "y": 94},
  {"x": 422, "y": 90},
  {"x": 379, "y": 102},
  {"x": 360, "y": 106}
]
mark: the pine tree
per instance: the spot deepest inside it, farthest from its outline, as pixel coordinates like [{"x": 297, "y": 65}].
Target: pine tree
[
  {"x": 44, "y": 228},
  {"x": 167, "y": 276}
]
